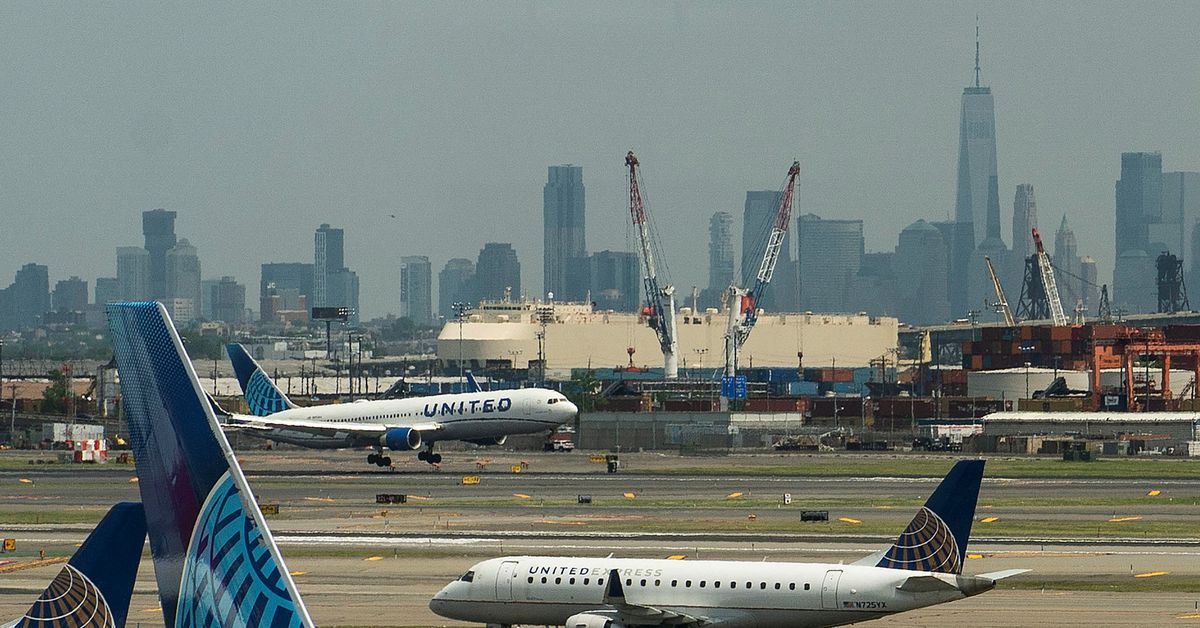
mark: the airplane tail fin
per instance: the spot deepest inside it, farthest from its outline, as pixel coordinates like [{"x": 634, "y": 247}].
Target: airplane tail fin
[
  {"x": 936, "y": 539},
  {"x": 94, "y": 587},
  {"x": 262, "y": 395},
  {"x": 214, "y": 556},
  {"x": 472, "y": 383}
]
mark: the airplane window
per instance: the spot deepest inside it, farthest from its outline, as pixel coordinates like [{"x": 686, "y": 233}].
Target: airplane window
[
  {"x": 468, "y": 577},
  {"x": 674, "y": 582},
  {"x": 628, "y": 582},
  {"x": 572, "y": 581},
  {"x": 701, "y": 584},
  {"x": 530, "y": 579},
  {"x": 598, "y": 581},
  {"x": 558, "y": 581},
  {"x": 792, "y": 586},
  {"x": 657, "y": 582},
  {"x": 687, "y": 583},
  {"x": 716, "y": 584},
  {"x": 643, "y": 582},
  {"x": 805, "y": 586},
  {"x": 749, "y": 585},
  {"x": 776, "y": 586},
  {"x": 732, "y": 585},
  {"x": 585, "y": 580},
  {"x": 762, "y": 585},
  {"x": 543, "y": 579}
]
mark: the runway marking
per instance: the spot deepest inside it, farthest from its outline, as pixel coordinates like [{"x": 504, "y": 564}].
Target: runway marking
[
  {"x": 1124, "y": 519},
  {"x": 373, "y": 558},
  {"x": 25, "y": 481},
  {"x": 734, "y": 495},
  {"x": 974, "y": 556},
  {"x": 1154, "y": 493},
  {"x": 849, "y": 520},
  {"x": 133, "y": 480},
  {"x": 152, "y": 610},
  {"x": 1189, "y": 616},
  {"x": 989, "y": 520},
  {"x": 297, "y": 573},
  {"x": 629, "y": 495},
  {"x": 521, "y": 496},
  {"x": 33, "y": 564},
  {"x": 1151, "y": 574},
  {"x": 562, "y": 523},
  {"x": 677, "y": 557},
  {"x": 328, "y": 500}
]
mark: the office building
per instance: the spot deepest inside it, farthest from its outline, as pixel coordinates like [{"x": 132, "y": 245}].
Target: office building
[
  {"x": 158, "y": 229},
  {"x": 108, "y": 289},
  {"x": 830, "y": 253},
  {"x": 616, "y": 281},
  {"x": 1181, "y": 204},
  {"x": 27, "y": 299},
  {"x": 456, "y": 284},
  {"x": 229, "y": 301},
  {"x": 133, "y": 273},
  {"x": 758, "y": 218},
  {"x": 564, "y": 242},
  {"x": 921, "y": 275},
  {"x": 284, "y": 286},
  {"x": 416, "y": 289},
  {"x": 1024, "y": 222},
  {"x": 873, "y": 288},
  {"x": 183, "y": 277},
  {"x": 70, "y": 295},
  {"x": 328, "y": 259},
  {"x": 498, "y": 272},
  {"x": 1139, "y": 197},
  {"x": 1068, "y": 267}
]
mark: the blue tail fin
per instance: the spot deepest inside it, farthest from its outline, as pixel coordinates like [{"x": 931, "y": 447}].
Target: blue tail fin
[
  {"x": 262, "y": 395},
  {"x": 936, "y": 539},
  {"x": 214, "y": 558},
  {"x": 93, "y": 588},
  {"x": 472, "y": 383}
]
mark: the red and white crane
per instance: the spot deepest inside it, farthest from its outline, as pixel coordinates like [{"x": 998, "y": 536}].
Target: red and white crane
[
  {"x": 660, "y": 300},
  {"x": 743, "y": 305},
  {"x": 1057, "y": 315}
]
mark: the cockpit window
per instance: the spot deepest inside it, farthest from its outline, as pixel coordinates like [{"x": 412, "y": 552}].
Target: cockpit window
[{"x": 468, "y": 577}]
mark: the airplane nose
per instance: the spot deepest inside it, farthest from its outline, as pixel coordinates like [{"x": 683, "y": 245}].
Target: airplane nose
[{"x": 569, "y": 410}]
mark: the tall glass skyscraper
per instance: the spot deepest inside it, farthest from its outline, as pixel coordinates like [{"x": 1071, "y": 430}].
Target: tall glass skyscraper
[
  {"x": 565, "y": 245},
  {"x": 328, "y": 258},
  {"x": 158, "y": 228},
  {"x": 416, "y": 289}
]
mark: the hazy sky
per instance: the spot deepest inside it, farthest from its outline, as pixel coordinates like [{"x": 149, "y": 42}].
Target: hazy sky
[{"x": 258, "y": 122}]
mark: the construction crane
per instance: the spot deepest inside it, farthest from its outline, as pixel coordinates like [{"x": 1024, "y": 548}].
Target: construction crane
[
  {"x": 660, "y": 300},
  {"x": 1057, "y": 316},
  {"x": 1001, "y": 302},
  {"x": 743, "y": 304}
]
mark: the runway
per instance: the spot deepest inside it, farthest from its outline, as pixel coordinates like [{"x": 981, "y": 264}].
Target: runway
[{"x": 362, "y": 563}]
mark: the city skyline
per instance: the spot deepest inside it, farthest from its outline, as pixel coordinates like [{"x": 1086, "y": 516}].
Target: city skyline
[{"x": 332, "y": 132}]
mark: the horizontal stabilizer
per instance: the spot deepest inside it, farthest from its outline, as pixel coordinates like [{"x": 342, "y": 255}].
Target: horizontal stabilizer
[
  {"x": 925, "y": 584},
  {"x": 1000, "y": 575}
]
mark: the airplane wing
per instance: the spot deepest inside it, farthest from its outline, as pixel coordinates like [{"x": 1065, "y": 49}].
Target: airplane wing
[
  {"x": 246, "y": 422},
  {"x": 640, "y": 614}
]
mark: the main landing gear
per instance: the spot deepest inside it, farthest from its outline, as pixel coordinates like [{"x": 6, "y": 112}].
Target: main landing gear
[
  {"x": 428, "y": 456},
  {"x": 379, "y": 459}
]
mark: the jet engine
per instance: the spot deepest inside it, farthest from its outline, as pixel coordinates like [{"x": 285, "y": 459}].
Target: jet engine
[
  {"x": 490, "y": 442},
  {"x": 592, "y": 620},
  {"x": 401, "y": 438}
]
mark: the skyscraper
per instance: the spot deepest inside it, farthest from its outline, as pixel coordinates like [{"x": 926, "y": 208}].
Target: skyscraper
[
  {"x": 1139, "y": 198},
  {"x": 830, "y": 253},
  {"x": 328, "y": 258},
  {"x": 565, "y": 245},
  {"x": 456, "y": 284},
  {"x": 497, "y": 272},
  {"x": 27, "y": 299},
  {"x": 70, "y": 295},
  {"x": 296, "y": 276},
  {"x": 616, "y": 281},
  {"x": 416, "y": 290},
  {"x": 133, "y": 273},
  {"x": 229, "y": 301},
  {"x": 920, "y": 269},
  {"x": 1181, "y": 205},
  {"x": 108, "y": 289},
  {"x": 721, "y": 270},
  {"x": 158, "y": 229},
  {"x": 1024, "y": 222},
  {"x": 758, "y": 218},
  {"x": 1068, "y": 267},
  {"x": 183, "y": 276}
]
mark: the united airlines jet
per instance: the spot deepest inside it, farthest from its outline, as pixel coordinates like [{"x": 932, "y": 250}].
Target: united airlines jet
[
  {"x": 93, "y": 589},
  {"x": 483, "y": 418},
  {"x": 215, "y": 561},
  {"x": 922, "y": 568}
]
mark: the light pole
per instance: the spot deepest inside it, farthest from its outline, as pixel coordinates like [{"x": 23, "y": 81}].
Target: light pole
[
  {"x": 1026, "y": 381},
  {"x": 460, "y": 310}
]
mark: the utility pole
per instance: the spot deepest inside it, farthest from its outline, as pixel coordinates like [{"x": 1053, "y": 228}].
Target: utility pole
[{"x": 460, "y": 311}]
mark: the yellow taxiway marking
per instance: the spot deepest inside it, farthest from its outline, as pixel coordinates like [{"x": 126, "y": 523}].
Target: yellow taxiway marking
[
  {"x": 25, "y": 481},
  {"x": 989, "y": 520},
  {"x": 297, "y": 573},
  {"x": 319, "y": 499},
  {"x": 974, "y": 556},
  {"x": 629, "y": 495},
  {"x": 1188, "y": 616},
  {"x": 1123, "y": 519},
  {"x": 677, "y": 557},
  {"x": 849, "y": 520},
  {"x": 1151, "y": 574},
  {"x": 562, "y": 523},
  {"x": 373, "y": 558},
  {"x": 418, "y": 498},
  {"x": 521, "y": 495},
  {"x": 152, "y": 610},
  {"x": 734, "y": 495},
  {"x": 11, "y": 567},
  {"x": 133, "y": 480},
  {"x": 1154, "y": 493}
]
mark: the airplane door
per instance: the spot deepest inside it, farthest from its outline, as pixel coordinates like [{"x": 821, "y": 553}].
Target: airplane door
[
  {"x": 504, "y": 580},
  {"x": 829, "y": 588}
]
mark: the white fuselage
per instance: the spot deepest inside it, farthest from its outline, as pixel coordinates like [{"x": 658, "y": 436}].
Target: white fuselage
[
  {"x": 474, "y": 416},
  {"x": 548, "y": 590}
]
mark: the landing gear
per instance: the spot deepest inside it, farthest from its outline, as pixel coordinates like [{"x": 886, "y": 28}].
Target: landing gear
[
  {"x": 428, "y": 456},
  {"x": 378, "y": 459}
]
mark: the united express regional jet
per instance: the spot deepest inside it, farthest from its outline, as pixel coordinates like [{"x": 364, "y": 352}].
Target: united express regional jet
[
  {"x": 922, "y": 568},
  {"x": 483, "y": 418}
]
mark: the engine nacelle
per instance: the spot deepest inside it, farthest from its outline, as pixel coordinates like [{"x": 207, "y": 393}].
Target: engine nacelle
[
  {"x": 592, "y": 620},
  {"x": 490, "y": 442},
  {"x": 401, "y": 439}
]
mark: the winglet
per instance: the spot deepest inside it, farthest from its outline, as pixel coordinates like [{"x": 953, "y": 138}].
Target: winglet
[
  {"x": 262, "y": 395},
  {"x": 214, "y": 556},
  {"x": 97, "y": 582},
  {"x": 936, "y": 539}
]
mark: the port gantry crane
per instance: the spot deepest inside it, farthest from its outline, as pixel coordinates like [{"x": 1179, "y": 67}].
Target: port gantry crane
[
  {"x": 1001, "y": 302},
  {"x": 1056, "y": 309},
  {"x": 660, "y": 300},
  {"x": 743, "y": 303}
]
